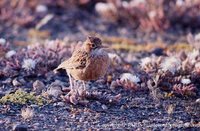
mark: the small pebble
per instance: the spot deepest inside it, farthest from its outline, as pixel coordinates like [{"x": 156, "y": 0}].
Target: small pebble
[
  {"x": 122, "y": 107},
  {"x": 54, "y": 90},
  {"x": 73, "y": 116},
  {"x": 41, "y": 8},
  {"x": 7, "y": 120},
  {"x": 187, "y": 124},
  {"x": 113, "y": 85},
  {"x": 56, "y": 120},
  {"x": 94, "y": 88},
  {"x": 54, "y": 104},
  {"x": 145, "y": 121},
  {"x": 104, "y": 107},
  {"x": 2, "y": 41},
  {"x": 60, "y": 104},
  {"x": 7, "y": 81},
  {"x": 15, "y": 82},
  {"x": 38, "y": 86},
  {"x": 81, "y": 119},
  {"x": 198, "y": 100},
  {"x": 22, "y": 81},
  {"x": 98, "y": 103},
  {"x": 181, "y": 122},
  {"x": 20, "y": 127},
  {"x": 36, "y": 126},
  {"x": 33, "y": 105}
]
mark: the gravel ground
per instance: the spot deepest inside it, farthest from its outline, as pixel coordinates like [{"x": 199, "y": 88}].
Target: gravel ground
[{"x": 136, "y": 111}]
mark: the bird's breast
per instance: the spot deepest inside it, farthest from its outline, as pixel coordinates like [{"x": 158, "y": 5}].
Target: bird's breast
[{"x": 97, "y": 65}]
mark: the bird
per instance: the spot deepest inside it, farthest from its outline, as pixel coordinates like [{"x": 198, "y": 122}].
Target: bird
[{"x": 88, "y": 62}]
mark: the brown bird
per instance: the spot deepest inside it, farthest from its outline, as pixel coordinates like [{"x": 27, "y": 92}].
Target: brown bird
[{"x": 88, "y": 62}]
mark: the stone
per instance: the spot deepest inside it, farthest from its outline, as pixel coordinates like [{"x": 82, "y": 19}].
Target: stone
[
  {"x": 145, "y": 121},
  {"x": 187, "y": 124},
  {"x": 22, "y": 81},
  {"x": 104, "y": 107},
  {"x": 20, "y": 127},
  {"x": 15, "y": 82},
  {"x": 36, "y": 125},
  {"x": 38, "y": 86},
  {"x": 60, "y": 104},
  {"x": 41, "y": 9},
  {"x": 198, "y": 101},
  {"x": 7, "y": 81},
  {"x": 55, "y": 90}
]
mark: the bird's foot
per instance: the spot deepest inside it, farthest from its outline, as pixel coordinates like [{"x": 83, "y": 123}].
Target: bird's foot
[{"x": 75, "y": 96}]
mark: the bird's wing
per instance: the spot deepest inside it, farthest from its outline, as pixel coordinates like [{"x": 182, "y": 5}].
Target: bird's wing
[{"x": 77, "y": 61}]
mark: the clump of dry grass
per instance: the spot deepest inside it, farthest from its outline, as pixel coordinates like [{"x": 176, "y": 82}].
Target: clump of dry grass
[
  {"x": 128, "y": 81},
  {"x": 26, "y": 13},
  {"x": 174, "y": 72},
  {"x": 148, "y": 16},
  {"x": 185, "y": 90},
  {"x": 151, "y": 15},
  {"x": 36, "y": 59},
  {"x": 170, "y": 109}
]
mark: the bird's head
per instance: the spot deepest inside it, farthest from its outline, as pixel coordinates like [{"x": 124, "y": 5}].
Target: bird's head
[{"x": 93, "y": 43}]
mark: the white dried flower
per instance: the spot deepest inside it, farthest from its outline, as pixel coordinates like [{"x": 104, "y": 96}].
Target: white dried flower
[
  {"x": 129, "y": 77},
  {"x": 115, "y": 58},
  {"x": 29, "y": 64},
  {"x": 32, "y": 46},
  {"x": 193, "y": 55},
  {"x": 197, "y": 37},
  {"x": 27, "y": 113},
  {"x": 125, "y": 4},
  {"x": 180, "y": 2},
  {"x": 104, "y": 8},
  {"x": 185, "y": 81},
  {"x": 41, "y": 8},
  {"x": 152, "y": 14},
  {"x": 2, "y": 41},
  {"x": 134, "y": 3},
  {"x": 10, "y": 53},
  {"x": 145, "y": 61},
  {"x": 51, "y": 44},
  {"x": 198, "y": 101},
  {"x": 197, "y": 65},
  {"x": 171, "y": 64}
]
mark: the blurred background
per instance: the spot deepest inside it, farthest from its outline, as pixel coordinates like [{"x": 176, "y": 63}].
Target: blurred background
[{"x": 140, "y": 20}]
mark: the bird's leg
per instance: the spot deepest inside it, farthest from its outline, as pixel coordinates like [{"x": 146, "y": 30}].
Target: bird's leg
[
  {"x": 70, "y": 81},
  {"x": 84, "y": 86}
]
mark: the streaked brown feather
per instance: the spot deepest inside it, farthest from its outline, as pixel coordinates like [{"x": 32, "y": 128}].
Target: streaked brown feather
[{"x": 76, "y": 61}]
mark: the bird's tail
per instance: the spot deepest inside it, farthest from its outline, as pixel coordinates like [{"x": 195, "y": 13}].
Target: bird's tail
[
  {"x": 61, "y": 66},
  {"x": 55, "y": 70}
]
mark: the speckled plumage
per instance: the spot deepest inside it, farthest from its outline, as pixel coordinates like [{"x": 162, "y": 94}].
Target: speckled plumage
[{"x": 89, "y": 62}]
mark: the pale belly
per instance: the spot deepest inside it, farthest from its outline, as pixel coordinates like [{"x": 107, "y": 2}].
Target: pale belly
[{"x": 96, "y": 68}]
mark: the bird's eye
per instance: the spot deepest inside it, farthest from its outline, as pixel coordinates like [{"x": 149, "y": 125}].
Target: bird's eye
[{"x": 93, "y": 46}]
